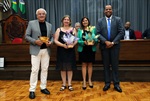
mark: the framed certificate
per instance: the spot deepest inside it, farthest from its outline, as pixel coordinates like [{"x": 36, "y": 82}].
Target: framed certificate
[{"x": 1, "y": 62}]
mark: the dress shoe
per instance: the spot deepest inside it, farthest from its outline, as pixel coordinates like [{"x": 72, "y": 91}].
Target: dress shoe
[
  {"x": 45, "y": 91},
  {"x": 84, "y": 85},
  {"x": 32, "y": 95},
  {"x": 117, "y": 88},
  {"x": 106, "y": 87},
  {"x": 84, "y": 88},
  {"x": 91, "y": 86}
]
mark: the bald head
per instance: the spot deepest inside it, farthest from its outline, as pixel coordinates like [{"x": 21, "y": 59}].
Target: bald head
[{"x": 127, "y": 25}]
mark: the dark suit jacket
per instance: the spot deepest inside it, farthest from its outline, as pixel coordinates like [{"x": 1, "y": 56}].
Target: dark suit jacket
[
  {"x": 131, "y": 34},
  {"x": 117, "y": 30},
  {"x": 146, "y": 33}
]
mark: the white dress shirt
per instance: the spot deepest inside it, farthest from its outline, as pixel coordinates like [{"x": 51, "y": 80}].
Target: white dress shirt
[{"x": 127, "y": 35}]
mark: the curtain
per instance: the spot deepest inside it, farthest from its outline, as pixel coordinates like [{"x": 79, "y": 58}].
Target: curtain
[{"x": 135, "y": 11}]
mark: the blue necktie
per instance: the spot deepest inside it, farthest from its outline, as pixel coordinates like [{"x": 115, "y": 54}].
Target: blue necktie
[{"x": 108, "y": 28}]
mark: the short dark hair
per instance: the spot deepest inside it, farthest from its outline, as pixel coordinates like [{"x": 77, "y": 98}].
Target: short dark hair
[{"x": 108, "y": 5}]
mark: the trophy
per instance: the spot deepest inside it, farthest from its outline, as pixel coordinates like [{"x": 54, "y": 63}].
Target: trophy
[
  {"x": 90, "y": 37},
  {"x": 44, "y": 39},
  {"x": 69, "y": 39}
]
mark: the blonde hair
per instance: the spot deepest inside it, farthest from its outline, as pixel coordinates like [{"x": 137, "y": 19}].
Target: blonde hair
[{"x": 64, "y": 18}]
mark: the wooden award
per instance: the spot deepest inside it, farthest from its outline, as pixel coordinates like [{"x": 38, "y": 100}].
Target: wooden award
[
  {"x": 70, "y": 45},
  {"x": 44, "y": 39},
  {"x": 90, "y": 42}
]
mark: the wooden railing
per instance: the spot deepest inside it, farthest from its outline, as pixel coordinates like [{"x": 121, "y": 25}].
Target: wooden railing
[{"x": 132, "y": 53}]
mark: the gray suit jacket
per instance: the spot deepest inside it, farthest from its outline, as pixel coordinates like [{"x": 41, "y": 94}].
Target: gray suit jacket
[
  {"x": 117, "y": 31},
  {"x": 33, "y": 32}
]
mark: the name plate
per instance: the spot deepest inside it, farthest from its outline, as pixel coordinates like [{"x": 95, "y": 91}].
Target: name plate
[{"x": 1, "y": 62}]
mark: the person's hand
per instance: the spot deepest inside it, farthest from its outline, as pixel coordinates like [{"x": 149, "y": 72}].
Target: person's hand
[
  {"x": 38, "y": 42},
  {"x": 109, "y": 44},
  {"x": 70, "y": 45},
  {"x": 65, "y": 46},
  {"x": 48, "y": 43},
  {"x": 85, "y": 42},
  {"x": 94, "y": 43}
]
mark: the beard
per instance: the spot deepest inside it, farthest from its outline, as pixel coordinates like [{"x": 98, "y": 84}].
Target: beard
[{"x": 127, "y": 28}]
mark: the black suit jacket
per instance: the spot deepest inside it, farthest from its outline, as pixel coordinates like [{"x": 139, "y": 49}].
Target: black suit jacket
[
  {"x": 146, "y": 33},
  {"x": 131, "y": 34}
]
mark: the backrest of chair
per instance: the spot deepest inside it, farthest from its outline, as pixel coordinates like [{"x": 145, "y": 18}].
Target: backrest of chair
[
  {"x": 138, "y": 34},
  {"x": 17, "y": 41},
  {"x": 13, "y": 27}
]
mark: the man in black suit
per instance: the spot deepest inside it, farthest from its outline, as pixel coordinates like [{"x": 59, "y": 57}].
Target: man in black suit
[
  {"x": 111, "y": 31},
  {"x": 129, "y": 33},
  {"x": 146, "y": 34}
]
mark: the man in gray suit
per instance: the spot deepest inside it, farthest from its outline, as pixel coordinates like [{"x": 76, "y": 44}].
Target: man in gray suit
[
  {"x": 111, "y": 31},
  {"x": 38, "y": 30}
]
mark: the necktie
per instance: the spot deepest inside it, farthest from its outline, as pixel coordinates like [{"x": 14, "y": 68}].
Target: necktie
[{"x": 108, "y": 28}]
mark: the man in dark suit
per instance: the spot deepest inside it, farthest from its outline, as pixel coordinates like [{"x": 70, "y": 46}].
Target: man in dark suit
[
  {"x": 146, "y": 34},
  {"x": 129, "y": 33},
  {"x": 111, "y": 31}
]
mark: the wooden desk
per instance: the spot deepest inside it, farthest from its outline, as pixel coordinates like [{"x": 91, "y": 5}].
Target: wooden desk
[
  {"x": 15, "y": 54},
  {"x": 132, "y": 53},
  {"x": 135, "y": 50}
]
